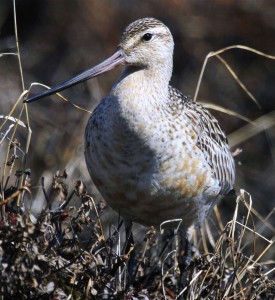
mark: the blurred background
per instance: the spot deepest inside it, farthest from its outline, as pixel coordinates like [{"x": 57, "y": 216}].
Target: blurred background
[{"x": 59, "y": 39}]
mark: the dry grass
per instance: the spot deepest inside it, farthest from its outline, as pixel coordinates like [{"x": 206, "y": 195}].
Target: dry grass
[{"x": 48, "y": 255}]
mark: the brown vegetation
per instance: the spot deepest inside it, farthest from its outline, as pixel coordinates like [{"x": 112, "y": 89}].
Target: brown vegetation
[{"x": 67, "y": 250}]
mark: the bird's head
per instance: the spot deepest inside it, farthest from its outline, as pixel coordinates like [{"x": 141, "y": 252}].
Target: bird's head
[{"x": 146, "y": 43}]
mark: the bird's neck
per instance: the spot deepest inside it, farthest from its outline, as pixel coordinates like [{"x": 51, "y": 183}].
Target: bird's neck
[{"x": 146, "y": 87}]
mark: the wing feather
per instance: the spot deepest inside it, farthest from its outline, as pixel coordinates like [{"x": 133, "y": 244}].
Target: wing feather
[{"x": 211, "y": 140}]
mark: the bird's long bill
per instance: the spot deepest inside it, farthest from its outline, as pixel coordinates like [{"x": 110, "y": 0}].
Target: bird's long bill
[{"x": 118, "y": 58}]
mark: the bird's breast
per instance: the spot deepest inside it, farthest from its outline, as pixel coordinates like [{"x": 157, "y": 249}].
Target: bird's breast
[{"x": 147, "y": 162}]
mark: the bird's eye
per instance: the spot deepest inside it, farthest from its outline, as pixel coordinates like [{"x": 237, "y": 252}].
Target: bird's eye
[{"x": 147, "y": 37}]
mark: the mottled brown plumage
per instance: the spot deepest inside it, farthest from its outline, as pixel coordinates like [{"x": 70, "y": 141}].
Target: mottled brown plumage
[{"x": 153, "y": 153}]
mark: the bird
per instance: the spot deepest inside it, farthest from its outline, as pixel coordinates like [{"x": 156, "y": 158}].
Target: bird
[{"x": 153, "y": 153}]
